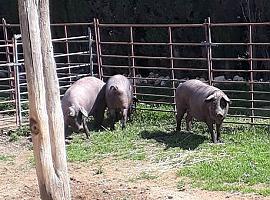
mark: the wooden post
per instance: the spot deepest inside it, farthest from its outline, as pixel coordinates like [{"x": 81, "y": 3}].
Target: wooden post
[{"x": 46, "y": 118}]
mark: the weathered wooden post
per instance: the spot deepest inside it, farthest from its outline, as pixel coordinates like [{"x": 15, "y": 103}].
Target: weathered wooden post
[{"x": 46, "y": 119}]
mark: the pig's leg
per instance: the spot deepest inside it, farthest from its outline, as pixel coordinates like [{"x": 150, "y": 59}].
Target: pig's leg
[
  {"x": 188, "y": 121},
  {"x": 112, "y": 118},
  {"x": 218, "y": 127},
  {"x": 211, "y": 130},
  {"x": 98, "y": 115},
  {"x": 124, "y": 118},
  {"x": 179, "y": 117},
  {"x": 118, "y": 115},
  {"x": 130, "y": 112},
  {"x": 87, "y": 132},
  {"x": 67, "y": 131}
]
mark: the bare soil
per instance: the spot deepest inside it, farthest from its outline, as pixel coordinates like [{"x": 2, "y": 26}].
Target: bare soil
[{"x": 107, "y": 179}]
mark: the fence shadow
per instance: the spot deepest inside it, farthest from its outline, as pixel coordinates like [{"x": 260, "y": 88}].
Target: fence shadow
[{"x": 184, "y": 140}]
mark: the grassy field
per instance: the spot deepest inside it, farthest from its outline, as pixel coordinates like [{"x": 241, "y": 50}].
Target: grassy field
[{"x": 241, "y": 163}]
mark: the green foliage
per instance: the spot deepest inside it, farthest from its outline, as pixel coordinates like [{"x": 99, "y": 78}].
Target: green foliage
[
  {"x": 181, "y": 185},
  {"x": 25, "y": 106},
  {"x": 19, "y": 132},
  {"x": 143, "y": 176},
  {"x": 146, "y": 11},
  {"x": 6, "y": 158},
  {"x": 31, "y": 161},
  {"x": 118, "y": 143},
  {"x": 241, "y": 164},
  {"x": 144, "y": 115},
  {"x": 6, "y": 106},
  {"x": 125, "y": 144},
  {"x": 13, "y": 137}
]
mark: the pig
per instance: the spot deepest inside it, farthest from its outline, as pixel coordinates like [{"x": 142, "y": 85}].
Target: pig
[
  {"x": 84, "y": 98},
  {"x": 119, "y": 99},
  {"x": 203, "y": 102}
]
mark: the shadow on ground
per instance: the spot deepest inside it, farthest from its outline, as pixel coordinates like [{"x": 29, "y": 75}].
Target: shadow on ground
[{"x": 184, "y": 140}]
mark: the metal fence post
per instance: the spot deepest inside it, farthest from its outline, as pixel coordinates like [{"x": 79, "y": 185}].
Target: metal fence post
[
  {"x": 90, "y": 41},
  {"x": 17, "y": 81},
  {"x": 99, "y": 54},
  {"x": 67, "y": 52},
  {"x": 6, "y": 39},
  {"x": 172, "y": 65},
  {"x": 251, "y": 82},
  {"x": 209, "y": 50},
  {"x": 10, "y": 72},
  {"x": 133, "y": 60}
]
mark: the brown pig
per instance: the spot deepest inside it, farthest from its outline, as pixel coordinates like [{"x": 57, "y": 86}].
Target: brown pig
[
  {"x": 84, "y": 98},
  {"x": 119, "y": 99},
  {"x": 203, "y": 102}
]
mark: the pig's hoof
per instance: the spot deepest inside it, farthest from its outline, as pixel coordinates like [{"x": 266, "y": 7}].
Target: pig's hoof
[
  {"x": 214, "y": 141},
  {"x": 67, "y": 142},
  {"x": 178, "y": 129},
  {"x": 220, "y": 141}
]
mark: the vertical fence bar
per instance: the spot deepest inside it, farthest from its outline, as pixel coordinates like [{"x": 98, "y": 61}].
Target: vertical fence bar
[
  {"x": 172, "y": 64},
  {"x": 17, "y": 81},
  {"x": 251, "y": 84},
  {"x": 133, "y": 60},
  {"x": 99, "y": 54},
  {"x": 209, "y": 51},
  {"x": 90, "y": 41},
  {"x": 67, "y": 52},
  {"x": 6, "y": 39},
  {"x": 10, "y": 73}
]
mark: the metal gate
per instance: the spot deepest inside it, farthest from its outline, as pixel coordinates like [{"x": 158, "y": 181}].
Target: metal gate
[
  {"x": 74, "y": 59},
  {"x": 191, "y": 51},
  {"x": 156, "y": 58}
]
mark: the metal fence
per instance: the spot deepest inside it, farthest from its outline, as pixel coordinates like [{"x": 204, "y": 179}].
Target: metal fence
[
  {"x": 156, "y": 58},
  {"x": 74, "y": 58}
]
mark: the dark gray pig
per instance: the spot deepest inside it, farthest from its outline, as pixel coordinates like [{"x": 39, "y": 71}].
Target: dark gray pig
[
  {"x": 119, "y": 99},
  {"x": 84, "y": 98},
  {"x": 203, "y": 102}
]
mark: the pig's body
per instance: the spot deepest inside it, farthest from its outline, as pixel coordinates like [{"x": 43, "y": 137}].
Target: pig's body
[
  {"x": 119, "y": 98},
  {"x": 84, "y": 98},
  {"x": 203, "y": 102}
]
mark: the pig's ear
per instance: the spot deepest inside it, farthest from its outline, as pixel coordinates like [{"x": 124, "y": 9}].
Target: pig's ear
[
  {"x": 114, "y": 88},
  {"x": 72, "y": 111},
  {"x": 227, "y": 99},
  {"x": 83, "y": 111},
  {"x": 210, "y": 98}
]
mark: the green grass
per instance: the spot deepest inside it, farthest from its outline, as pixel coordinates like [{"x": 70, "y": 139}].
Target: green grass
[
  {"x": 6, "y": 158},
  {"x": 118, "y": 143},
  {"x": 6, "y": 106},
  {"x": 144, "y": 176},
  {"x": 122, "y": 144},
  {"x": 241, "y": 163},
  {"x": 14, "y": 135}
]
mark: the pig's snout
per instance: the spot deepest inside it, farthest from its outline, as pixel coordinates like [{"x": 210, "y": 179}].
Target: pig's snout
[
  {"x": 220, "y": 116},
  {"x": 80, "y": 127}
]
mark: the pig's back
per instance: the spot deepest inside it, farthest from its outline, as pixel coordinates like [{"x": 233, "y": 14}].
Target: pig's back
[
  {"x": 82, "y": 93},
  {"x": 192, "y": 94}
]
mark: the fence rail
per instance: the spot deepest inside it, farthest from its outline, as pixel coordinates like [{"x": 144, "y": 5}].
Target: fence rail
[{"x": 166, "y": 55}]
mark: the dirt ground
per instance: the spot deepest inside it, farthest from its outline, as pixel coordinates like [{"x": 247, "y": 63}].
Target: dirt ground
[{"x": 104, "y": 180}]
